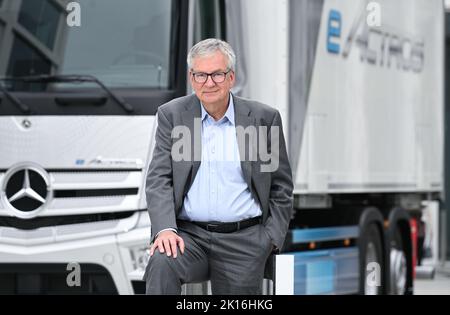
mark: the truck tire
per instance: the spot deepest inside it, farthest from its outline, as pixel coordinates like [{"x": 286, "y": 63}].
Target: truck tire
[
  {"x": 371, "y": 260},
  {"x": 398, "y": 264}
]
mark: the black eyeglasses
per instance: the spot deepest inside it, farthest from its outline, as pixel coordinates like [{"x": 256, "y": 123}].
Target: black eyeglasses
[{"x": 217, "y": 77}]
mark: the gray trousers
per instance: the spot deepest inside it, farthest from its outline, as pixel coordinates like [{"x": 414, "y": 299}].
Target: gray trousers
[{"x": 233, "y": 262}]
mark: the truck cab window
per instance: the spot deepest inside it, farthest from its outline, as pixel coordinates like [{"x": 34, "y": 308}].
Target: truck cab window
[
  {"x": 125, "y": 44},
  {"x": 40, "y": 18}
]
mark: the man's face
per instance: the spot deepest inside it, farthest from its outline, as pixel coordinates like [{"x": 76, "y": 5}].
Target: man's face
[{"x": 211, "y": 92}]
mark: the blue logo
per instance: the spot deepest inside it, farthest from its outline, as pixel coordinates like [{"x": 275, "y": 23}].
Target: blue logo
[
  {"x": 79, "y": 162},
  {"x": 334, "y": 31},
  {"x": 387, "y": 48}
]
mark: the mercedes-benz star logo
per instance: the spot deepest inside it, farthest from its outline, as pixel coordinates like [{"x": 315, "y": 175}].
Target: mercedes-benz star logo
[{"x": 26, "y": 190}]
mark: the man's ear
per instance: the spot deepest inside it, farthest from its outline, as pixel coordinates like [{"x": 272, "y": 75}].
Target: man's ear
[{"x": 232, "y": 78}]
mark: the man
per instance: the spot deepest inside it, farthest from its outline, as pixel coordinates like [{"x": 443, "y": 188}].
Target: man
[{"x": 217, "y": 214}]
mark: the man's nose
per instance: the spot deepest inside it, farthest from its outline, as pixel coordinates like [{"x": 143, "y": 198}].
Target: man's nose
[{"x": 209, "y": 81}]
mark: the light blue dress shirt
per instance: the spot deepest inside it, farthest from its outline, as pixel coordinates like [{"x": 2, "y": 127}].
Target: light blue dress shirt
[{"x": 219, "y": 192}]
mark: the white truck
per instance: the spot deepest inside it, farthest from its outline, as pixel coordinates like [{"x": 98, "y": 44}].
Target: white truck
[{"x": 359, "y": 85}]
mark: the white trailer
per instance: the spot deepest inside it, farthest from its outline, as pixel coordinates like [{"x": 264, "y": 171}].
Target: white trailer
[
  {"x": 362, "y": 108},
  {"x": 360, "y": 88}
]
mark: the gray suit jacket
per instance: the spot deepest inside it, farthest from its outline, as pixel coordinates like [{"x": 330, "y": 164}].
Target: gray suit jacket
[{"x": 168, "y": 181}]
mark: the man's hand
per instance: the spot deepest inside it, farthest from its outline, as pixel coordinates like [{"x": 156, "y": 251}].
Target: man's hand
[{"x": 167, "y": 242}]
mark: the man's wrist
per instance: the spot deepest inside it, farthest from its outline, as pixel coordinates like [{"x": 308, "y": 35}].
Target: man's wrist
[{"x": 168, "y": 229}]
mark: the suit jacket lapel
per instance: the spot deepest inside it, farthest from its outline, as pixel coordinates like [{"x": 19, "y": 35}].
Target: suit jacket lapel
[
  {"x": 192, "y": 112},
  {"x": 244, "y": 119}
]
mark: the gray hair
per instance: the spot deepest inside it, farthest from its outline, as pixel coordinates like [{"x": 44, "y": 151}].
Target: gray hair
[{"x": 209, "y": 46}]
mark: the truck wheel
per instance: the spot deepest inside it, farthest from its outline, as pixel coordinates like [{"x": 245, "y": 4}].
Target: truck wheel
[
  {"x": 371, "y": 252},
  {"x": 398, "y": 266}
]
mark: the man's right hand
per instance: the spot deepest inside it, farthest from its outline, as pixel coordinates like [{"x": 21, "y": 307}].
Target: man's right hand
[{"x": 167, "y": 242}]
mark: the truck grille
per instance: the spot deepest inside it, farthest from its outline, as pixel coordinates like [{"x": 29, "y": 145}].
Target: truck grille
[
  {"x": 77, "y": 192},
  {"x": 41, "y": 222}
]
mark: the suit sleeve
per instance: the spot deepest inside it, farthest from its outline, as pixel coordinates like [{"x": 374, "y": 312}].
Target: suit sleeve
[
  {"x": 159, "y": 182},
  {"x": 281, "y": 189}
]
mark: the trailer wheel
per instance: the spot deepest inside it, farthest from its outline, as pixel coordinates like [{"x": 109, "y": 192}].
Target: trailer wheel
[
  {"x": 371, "y": 252},
  {"x": 398, "y": 264}
]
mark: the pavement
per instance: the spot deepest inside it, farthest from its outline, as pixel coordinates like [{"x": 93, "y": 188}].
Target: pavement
[{"x": 440, "y": 285}]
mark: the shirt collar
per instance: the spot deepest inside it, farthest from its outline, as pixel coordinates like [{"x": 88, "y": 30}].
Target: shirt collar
[{"x": 229, "y": 114}]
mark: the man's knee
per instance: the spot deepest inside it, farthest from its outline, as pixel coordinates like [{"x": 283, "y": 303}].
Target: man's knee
[
  {"x": 159, "y": 266},
  {"x": 161, "y": 275},
  {"x": 160, "y": 263}
]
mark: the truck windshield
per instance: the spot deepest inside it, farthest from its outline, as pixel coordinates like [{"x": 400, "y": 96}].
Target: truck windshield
[{"x": 122, "y": 43}]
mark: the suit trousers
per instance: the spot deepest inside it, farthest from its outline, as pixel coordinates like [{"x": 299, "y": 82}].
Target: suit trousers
[{"x": 233, "y": 262}]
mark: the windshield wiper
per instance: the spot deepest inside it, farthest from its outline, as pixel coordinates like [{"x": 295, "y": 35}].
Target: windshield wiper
[
  {"x": 23, "y": 108},
  {"x": 46, "y": 78}
]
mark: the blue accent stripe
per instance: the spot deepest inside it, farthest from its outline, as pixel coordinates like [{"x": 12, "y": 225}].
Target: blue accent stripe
[
  {"x": 324, "y": 234},
  {"x": 332, "y": 271}
]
